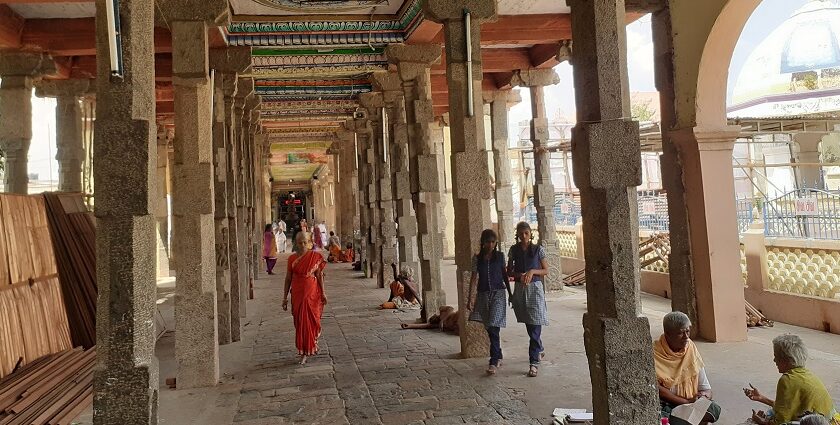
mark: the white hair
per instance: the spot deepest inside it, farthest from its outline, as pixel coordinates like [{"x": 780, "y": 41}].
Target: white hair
[
  {"x": 813, "y": 420},
  {"x": 675, "y": 320},
  {"x": 791, "y": 348}
]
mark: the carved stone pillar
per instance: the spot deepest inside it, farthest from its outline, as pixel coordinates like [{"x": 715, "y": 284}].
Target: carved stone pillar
[
  {"x": 471, "y": 191},
  {"x": 607, "y": 167},
  {"x": 536, "y": 80},
  {"x": 245, "y": 89},
  {"x": 391, "y": 85},
  {"x": 413, "y": 63},
  {"x": 125, "y": 222},
  {"x": 70, "y": 151},
  {"x": 500, "y": 102},
  {"x": 18, "y": 70}
]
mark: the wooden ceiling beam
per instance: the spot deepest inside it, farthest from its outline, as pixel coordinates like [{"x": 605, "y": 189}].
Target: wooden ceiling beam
[
  {"x": 85, "y": 67},
  {"x": 11, "y": 28},
  {"x": 495, "y": 60}
]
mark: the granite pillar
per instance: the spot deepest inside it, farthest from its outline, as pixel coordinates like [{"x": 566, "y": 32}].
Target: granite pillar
[
  {"x": 18, "y": 71},
  {"x": 361, "y": 128},
  {"x": 471, "y": 191},
  {"x": 161, "y": 200},
  {"x": 413, "y": 64},
  {"x": 70, "y": 151},
  {"x": 536, "y": 80},
  {"x": 125, "y": 382},
  {"x": 193, "y": 199},
  {"x": 500, "y": 102},
  {"x": 348, "y": 185},
  {"x": 226, "y": 62},
  {"x": 391, "y": 86},
  {"x": 697, "y": 174},
  {"x": 245, "y": 88},
  {"x": 607, "y": 169},
  {"x": 386, "y": 231}
]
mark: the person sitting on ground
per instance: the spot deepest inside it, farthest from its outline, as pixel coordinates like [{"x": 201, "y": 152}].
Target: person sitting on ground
[
  {"x": 680, "y": 371},
  {"x": 334, "y": 249},
  {"x": 349, "y": 255},
  {"x": 403, "y": 289},
  {"x": 798, "y": 390}
]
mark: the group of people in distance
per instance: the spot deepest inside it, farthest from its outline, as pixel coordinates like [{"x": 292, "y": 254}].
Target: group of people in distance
[{"x": 681, "y": 375}]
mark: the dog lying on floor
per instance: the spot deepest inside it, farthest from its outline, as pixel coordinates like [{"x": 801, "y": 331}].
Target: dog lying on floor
[{"x": 446, "y": 320}]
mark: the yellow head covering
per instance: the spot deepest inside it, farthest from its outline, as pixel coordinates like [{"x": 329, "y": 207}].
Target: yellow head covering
[{"x": 678, "y": 370}]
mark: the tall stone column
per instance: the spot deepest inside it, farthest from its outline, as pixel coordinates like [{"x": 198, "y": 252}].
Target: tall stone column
[
  {"x": 245, "y": 89},
  {"x": 254, "y": 146},
  {"x": 391, "y": 85},
  {"x": 193, "y": 200},
  {"x": 161, "y": 197},
  {"x": 413, "y": 63},
  {"x": 439, "y": 131},
  {"x": 226, "y": 62},
  {"x": 70, "y": 151},
  {"x": 607, "y": 167},
  {"x": 348, "y": 185},
  {"x": 471, "y": 190},
  {"x": 18, "y": 70},
  {"x": 500, "y": 102},
  {"x": 536, "y": 80},
  {"x": 361, "y": 127},
  {"x": 124, "y": 152},
  {"x": 384, "y": 206},
  {"x": 697, "y": 174}
]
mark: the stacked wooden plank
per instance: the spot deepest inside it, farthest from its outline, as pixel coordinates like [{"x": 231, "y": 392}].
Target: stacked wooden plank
[
  {"x": 74, "y": 239},
  {"x": 755, "y": 318},
  {"x": 53, "y": 390},
  {"x": 659, "y": 244},
  {"x": 33, "y": 321}
]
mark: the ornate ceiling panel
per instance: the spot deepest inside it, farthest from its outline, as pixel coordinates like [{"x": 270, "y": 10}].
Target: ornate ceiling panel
[{"x": 304, "y": 7}]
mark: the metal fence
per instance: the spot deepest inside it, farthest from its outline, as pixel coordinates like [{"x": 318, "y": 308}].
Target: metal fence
[
  {"x": 803, "y": 213},
  {"x": 653, "y": 211},
  {"x": 744, "y": 208}
]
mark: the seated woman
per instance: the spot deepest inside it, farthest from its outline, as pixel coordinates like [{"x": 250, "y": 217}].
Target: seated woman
[
  {"x": 348, "y": 256},
  {"x": 680, "y": 371},
  {"x": 798, "y": 392},
  {"x": 335, "y": 255},
  {"x": 403, "y": 290}
]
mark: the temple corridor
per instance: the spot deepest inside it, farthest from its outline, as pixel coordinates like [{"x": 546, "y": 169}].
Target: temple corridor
[{"x": 370, "y": 371}]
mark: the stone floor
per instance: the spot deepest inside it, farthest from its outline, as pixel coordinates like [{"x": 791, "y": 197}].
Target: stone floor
[{"x": 370, "y": 371}]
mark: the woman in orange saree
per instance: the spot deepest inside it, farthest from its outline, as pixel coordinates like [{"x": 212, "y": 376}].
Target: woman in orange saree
[{"x": 305, "y": 279}]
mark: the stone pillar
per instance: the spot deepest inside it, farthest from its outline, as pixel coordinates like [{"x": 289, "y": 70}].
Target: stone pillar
[
  {"x": 125, "y": 384},
  {"x": 70, "y": 151},
  {"x": 18, "y": 70},
  {"x": 348, "y": 185},
  {"x": 226, "y": 62},
  {"x": 471, "y": 190},
  {"x": 413, "y": 63},
  {"x": 363, "y": 135},
  {"x": 536, "y": 80},
  {"x": 607, "y": 167},
  {"x": 251, "y": 151},
  {"x": 439, "y": 131},
  {"x": 193, "y": 202},
  {"x": 808, "y": 152},
  {"x": 245, "y": 88},
  {"x": 385, "y": 226},
  {"x": 391, "y": 86},
  {"x": 500, "y": 102},
  {"x": 696, "y": 171},
  {"x": 161, "y": 203}
]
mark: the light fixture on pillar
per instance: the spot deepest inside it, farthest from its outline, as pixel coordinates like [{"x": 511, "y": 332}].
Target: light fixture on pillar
[
  {"x": 468, "y": 38},
  {"x": 114, "y": 37}
]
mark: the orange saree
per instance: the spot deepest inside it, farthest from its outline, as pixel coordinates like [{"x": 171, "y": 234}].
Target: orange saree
[{"x": 306, "y": 300}]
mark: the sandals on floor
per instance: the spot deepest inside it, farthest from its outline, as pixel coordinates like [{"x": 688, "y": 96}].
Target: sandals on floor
[
  {"x": 491, "y": 370},
  {"x": 532, "y": 371}
]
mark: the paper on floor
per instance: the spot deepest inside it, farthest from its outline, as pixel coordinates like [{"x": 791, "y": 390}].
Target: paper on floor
[{"x": 692, "y": 413}]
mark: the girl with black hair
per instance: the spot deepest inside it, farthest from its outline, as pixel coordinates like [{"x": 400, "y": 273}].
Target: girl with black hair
[
  {"x": 527, "y": 264},
  {"x": 488, "y": 304}
]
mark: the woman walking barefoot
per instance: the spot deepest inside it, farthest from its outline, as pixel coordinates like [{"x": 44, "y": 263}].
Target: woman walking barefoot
[
  {"x": 489, "y": 305},
  {"x": 305, "y": 278},
  {"x": 527, "y": 265}
]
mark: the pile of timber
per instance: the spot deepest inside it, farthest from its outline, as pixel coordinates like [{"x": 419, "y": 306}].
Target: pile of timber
[
  {"x": 33, "y": 322},
  {"x": 74, "y": 240},
  {"x": 659, "y": 244},
  {"x": 755, "y": 318},
  {"x": 52, "y": 390}
]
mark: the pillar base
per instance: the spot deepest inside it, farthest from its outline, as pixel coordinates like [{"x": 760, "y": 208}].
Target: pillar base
[
  {"x": 621, "y": 365},
  {"x": 474, "y": 339},
  {"x": 134, "y": 400}
]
